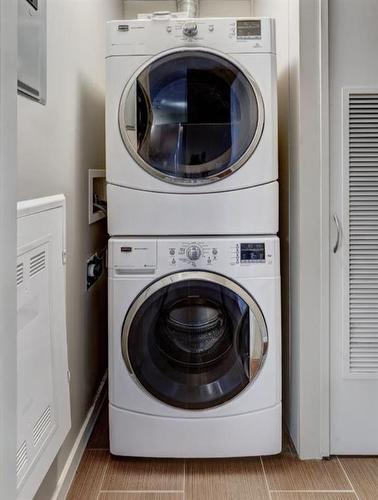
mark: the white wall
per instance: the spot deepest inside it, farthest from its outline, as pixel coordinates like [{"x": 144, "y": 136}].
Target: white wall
[
  {"x": 58, "y": 143},
  {"x": 8, "y": 375}
]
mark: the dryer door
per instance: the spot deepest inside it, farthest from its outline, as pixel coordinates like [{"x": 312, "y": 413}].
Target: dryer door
[
  {"x": 194, "y": 340},
  {"x": 191, "y": 117}
]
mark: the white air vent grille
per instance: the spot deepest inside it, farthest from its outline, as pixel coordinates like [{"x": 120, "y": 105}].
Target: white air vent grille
[
  {"x": 22, "y": 458},
  {"x": 363, "y": 232},
  {"x": 37, "y": 263},
  {"x": 42, "y": 426},
  {"x": 20, "y": 273}
]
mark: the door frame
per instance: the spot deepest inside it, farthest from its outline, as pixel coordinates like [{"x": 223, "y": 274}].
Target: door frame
[
  {"x": 309, "y": 211},
  {"x": 8, "y": 246},
  {"x": 325, "y": 333}
]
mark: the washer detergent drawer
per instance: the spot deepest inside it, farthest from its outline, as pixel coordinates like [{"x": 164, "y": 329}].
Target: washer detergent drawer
[{"x": 132, "y": 257}]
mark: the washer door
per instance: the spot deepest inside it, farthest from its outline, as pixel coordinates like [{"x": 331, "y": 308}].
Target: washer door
[
  {"x": 191, "y": 117},
  {"x": 194, "y": 340}
]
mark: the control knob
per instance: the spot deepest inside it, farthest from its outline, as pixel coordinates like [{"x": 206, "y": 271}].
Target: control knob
[
  {"x": 193, "y": 252},
  {"x": 190, "y": 29}
]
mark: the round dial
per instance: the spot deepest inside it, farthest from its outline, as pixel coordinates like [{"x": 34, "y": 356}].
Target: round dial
[
  {"x": 190, "y": 29},
  {"x": 194, "y": 252}
]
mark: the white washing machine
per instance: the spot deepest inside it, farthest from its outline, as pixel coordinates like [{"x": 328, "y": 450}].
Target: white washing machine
[
  {"x": 191, "y": 121},
  {"x": 194, "y": 347}
]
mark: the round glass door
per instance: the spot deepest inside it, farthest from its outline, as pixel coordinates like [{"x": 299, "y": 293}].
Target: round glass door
[
  {"x": 194, "y": 340},
  {"x": 191, "y": 117}
]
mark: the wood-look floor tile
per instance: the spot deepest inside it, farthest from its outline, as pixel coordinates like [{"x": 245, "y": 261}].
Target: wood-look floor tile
[
  {"x": 144, "y": 474},
  {"x": 363, "y": 473},
  {"x": 234, "y": 479},
  {"x": 321, "y": 495},
  {"x": 287, "y": 472},
  {"x": 100, "y": 435},
  {"x": 87, "y": 482},
  {"x": 140, "y": 496}
]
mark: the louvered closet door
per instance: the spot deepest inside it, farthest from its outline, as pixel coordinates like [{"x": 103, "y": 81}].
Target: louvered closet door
[
  {"x": 354, "y": 207},
  {"x": 361, "y": 211}
]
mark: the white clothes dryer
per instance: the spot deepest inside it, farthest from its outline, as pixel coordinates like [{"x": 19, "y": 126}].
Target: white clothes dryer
[
  {"x": 191, "y": 126},
  {"x": 194, "y": 347}
]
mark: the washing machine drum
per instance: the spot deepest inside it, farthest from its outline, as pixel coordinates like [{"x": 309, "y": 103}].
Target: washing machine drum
[
  {"x": 191, "y": 117},
  {"x": 193, "y": 332},
  {"x": 194, "y": 340}
]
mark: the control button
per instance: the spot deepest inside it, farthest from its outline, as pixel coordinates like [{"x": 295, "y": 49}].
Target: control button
[
  {"x": 190, "y": 29},
  {"x": 173, "y": 261},
  {"x": 193, "y": 252},
  {"x": 169, "y": 29},
  {"x": 215, "y": 251},
  {"x": 211, "y": 27},
  {"x": 172, "y": 251},
  {"x": 209, "y": 260}
]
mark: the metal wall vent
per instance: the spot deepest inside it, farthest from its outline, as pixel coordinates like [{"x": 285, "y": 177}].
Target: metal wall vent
[
  {"x": 22, "y": 458},
  {"x": 37, "y": 263},
  {"x": 363, "y": 231},
  {"x": 42, "y": 425},
  {"x": 20, "y": 273}
]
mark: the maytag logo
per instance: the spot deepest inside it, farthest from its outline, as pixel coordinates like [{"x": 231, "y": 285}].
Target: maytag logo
[{"x": 123, "y": 27}]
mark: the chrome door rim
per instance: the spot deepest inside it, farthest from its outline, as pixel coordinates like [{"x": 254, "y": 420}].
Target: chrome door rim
[
  {"x": 260, "y": 345},
  {"x": 212, "y": 178}
]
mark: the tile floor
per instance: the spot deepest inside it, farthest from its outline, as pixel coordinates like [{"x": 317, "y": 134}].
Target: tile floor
[{"x": 103, "y": 477}]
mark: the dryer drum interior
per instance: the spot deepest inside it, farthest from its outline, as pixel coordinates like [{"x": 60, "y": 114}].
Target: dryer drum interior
[
  {"x": 191, "y": 116},
  {"x": 194, "y": 340}
]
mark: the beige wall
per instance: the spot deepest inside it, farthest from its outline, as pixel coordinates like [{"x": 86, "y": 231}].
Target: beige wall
[{"x": 57, "y": 144}]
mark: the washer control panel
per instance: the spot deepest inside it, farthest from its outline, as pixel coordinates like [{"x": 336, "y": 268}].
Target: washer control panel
[
  {"x": 259, "y": 256},
  {"x": 204, "y": 254}
]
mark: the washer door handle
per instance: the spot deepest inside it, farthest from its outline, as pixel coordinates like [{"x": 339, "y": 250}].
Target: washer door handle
[
  {"x": 338, "y": 233},
  {"x": 257, "y": 350}
]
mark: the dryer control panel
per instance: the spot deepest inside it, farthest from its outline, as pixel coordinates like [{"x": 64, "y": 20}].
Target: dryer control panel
[{"x": 155, "y": 34}]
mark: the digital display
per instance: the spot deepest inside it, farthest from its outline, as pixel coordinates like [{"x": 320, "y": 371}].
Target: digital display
[
  {"x": 248, "y": 29},
  {"x": 252, "y": 252}
]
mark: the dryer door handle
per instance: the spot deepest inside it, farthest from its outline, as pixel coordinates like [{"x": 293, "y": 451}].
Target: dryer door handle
[{"x": 129, "y": 115}]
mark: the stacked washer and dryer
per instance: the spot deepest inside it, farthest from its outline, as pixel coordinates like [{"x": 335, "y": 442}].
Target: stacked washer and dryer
[{"x": 194, "y": 261}]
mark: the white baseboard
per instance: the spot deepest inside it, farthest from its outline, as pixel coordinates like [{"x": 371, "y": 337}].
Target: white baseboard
[{"x": 73, "y": 460}]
